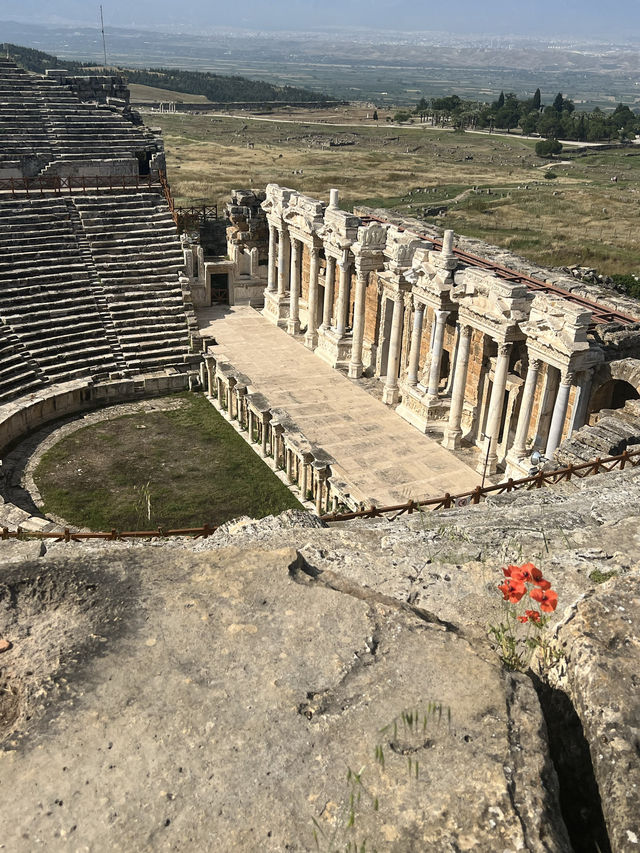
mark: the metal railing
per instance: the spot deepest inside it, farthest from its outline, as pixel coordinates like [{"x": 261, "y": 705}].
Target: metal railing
[
  {"x": 446, "y": 501},
  {"x": 61, "y": 184},
  {"x": 461, "y": 499}
]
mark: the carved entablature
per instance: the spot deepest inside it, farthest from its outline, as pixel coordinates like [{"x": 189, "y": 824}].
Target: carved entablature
[
  {"x": 276, "y": 203},
  {"x": 400, "y": 249},
  {"x": 556, "y": 332},
  {"x": 431, "y": 281},
  {"x": 305, "y": 217},
  {"x": 369, "y": 248},
  {"x": 491, "y": 304},
  {"x": 339, "y": 231}
]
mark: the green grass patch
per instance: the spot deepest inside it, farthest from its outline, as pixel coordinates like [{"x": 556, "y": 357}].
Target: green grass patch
[
  {"x": 600, "y": 577},
  {"x": 182, "y": 467}
]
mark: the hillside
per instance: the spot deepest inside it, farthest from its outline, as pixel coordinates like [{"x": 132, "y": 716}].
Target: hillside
[{"x": 214, "y": 87}]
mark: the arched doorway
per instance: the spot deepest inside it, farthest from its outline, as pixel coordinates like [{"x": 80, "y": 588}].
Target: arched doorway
[{"x": 612, "y": 394}]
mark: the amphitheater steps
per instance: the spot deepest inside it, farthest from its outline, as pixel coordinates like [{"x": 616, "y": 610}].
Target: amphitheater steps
[
  {"x": 19, "y": 374},
  {"x": 47, "y": 293},
  {"x": 99, "y": 291},
  {"x": 139, "y": 273}
]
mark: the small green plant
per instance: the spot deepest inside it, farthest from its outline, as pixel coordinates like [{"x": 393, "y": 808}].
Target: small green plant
[
  {"x": 600, "y": 577},
  {"x": 522, "y": 631},
  {"x": 404, "y": 737},
  {"x": 550, "y": 175}
]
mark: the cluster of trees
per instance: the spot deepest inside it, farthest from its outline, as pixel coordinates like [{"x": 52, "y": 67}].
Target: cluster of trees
[
  {"x": 216, "y": 87},
  {"x": 556, "y": 120},
  {"x": 213, "y": 86}
]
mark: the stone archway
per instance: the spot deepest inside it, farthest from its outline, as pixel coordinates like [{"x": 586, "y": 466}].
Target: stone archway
[{"x": 613, "y": 384}]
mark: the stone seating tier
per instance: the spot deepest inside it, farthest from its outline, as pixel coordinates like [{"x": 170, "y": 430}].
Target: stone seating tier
[
  {"x": 45, "y": 118},
  {"x": 89, "y": 303}
]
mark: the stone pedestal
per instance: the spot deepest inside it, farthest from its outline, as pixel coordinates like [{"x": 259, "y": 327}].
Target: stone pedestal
[
  {"x": 276, "y": 308},
  {"x": 334, "y": 349},
  {"x": 418, "y": 409}
]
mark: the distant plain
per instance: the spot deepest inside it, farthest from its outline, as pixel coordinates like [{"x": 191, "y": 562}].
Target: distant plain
[{"x": 578, "y": 217}]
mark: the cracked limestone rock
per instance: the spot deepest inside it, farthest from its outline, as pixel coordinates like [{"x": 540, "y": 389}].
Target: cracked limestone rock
[
  {"x": 600, "y": 670},
  {"x": 243, "y": 696}
]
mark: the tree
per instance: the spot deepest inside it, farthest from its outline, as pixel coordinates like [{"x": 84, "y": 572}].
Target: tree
[
  {"x": 548, "y": 147},
  {"x": 500, "y": 102},
  {"x": 558, "y": 101},
  {"x": 537, "y": 100},
  {"x": 375, "y": 115}
]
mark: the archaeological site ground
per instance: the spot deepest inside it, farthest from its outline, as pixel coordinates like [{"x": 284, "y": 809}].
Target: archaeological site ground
[{"x": 320, "y": 484}]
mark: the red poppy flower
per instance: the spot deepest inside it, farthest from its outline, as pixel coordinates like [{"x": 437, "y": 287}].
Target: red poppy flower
[
  {"x": 543, "y": 584},
  {"x": 509, "y": 571},
  {"x": 533, "y": 615},
  {"x": 546, "y": 598},
  {"x": 524, "y": 618},
  {"x": 512, "y": 589}
]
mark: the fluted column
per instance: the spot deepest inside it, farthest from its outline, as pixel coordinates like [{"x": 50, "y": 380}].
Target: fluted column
[
  {"x": 311, "y": 337},
  {"x": 355, "y": 365},
  {"x": 453, "y": 432},
  {"x": 283, "y": 260},
  {"x": 329, "y": 282},
  {"x": 436, "y": 354},
  {"x": 416, "y": 338},
  {"x": 526, "y": 408},
  {"x": 271, "y": 280},
  {"x": 495, "y": 407},
  {"x": 559, "y": 414},
  {"x": 390, "y": 391},
  {"x": 343, "y": 297},
  {"x": 293, "y": 323}
]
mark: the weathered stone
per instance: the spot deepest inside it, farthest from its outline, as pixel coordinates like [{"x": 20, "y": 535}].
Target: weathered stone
[
  {"x": 244, "y": 730},
  {"x": 599, "y": 667}
]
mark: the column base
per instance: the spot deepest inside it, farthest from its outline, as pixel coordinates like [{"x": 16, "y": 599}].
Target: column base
[
  {"x": 418, "y": 409},
  {"x": 452, "y": 439},
  {"x": 311, "y": 340},
  {"x": 276, "y": 308},
  {"x": 492, "y": 465},
  {"x": 390, "y": 396},
  {"x": 332, "y": 349},
  {"x": 355, "y": 370},
  {"x": 293, "y": 327}
]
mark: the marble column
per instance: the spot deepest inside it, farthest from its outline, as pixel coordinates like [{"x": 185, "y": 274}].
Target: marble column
[
  {"x": 581, "y": 406},
  {"x": 305, "y": 461},
  {"x": 321, "y": 475},
  {"x": 329, "y": 281},
  {"x": 453, "y": 432},
  {"x": 293, "y": 323},
  {"x": 526, "y": 408},
  {"x": 390, "y": 390},
  {"x": 271, "y": 280},
  {"x": 311, "y": 336},
  {"x": 343, "y": 298},
  {"x": 284, "y": 250},
  {"x": 250, "y": 424},
  {"x": 265, "y": 435},
  {"x": 495, "y": 407},
  {"x": 436, "y": 354},
  {"x": 559, "y": 414},
  {"x": 416, "y": 339},
  {"x": 355, "y": 365},
  {"x": 210, "y": 376}
]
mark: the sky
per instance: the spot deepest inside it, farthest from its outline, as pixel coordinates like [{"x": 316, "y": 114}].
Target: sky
[{"x": 581, "y": 18}]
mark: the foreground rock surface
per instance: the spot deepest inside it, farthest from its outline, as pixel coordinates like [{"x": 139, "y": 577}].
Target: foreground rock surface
[
  {"x": 600, "y": 670},
  {"x": 168, "y": 700}
]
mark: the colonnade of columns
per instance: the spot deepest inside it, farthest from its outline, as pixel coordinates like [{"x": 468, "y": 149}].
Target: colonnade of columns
[
  {"x": 285, "y": 279},
  {"x": 271, "y": 439}
]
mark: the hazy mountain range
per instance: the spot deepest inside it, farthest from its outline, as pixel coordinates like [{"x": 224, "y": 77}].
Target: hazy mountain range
[{"x": 567, "y": 20}]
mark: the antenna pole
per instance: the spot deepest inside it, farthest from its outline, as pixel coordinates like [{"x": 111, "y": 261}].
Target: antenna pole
[{"x": 104, "y": 43}]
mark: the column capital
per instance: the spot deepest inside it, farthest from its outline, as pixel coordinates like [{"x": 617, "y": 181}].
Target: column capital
[
  {"x": 535, "y": 364},
  {"x": 418, "y": 304},
  {"x": 504, "y": 349},
  {"x": 567, "y": 377},
  {"x": 466, "y": 330},
  {"x": 314, "y": 251}
]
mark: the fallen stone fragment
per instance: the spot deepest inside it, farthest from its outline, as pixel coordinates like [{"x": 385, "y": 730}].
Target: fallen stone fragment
[{"x": 5, "y": 645}]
